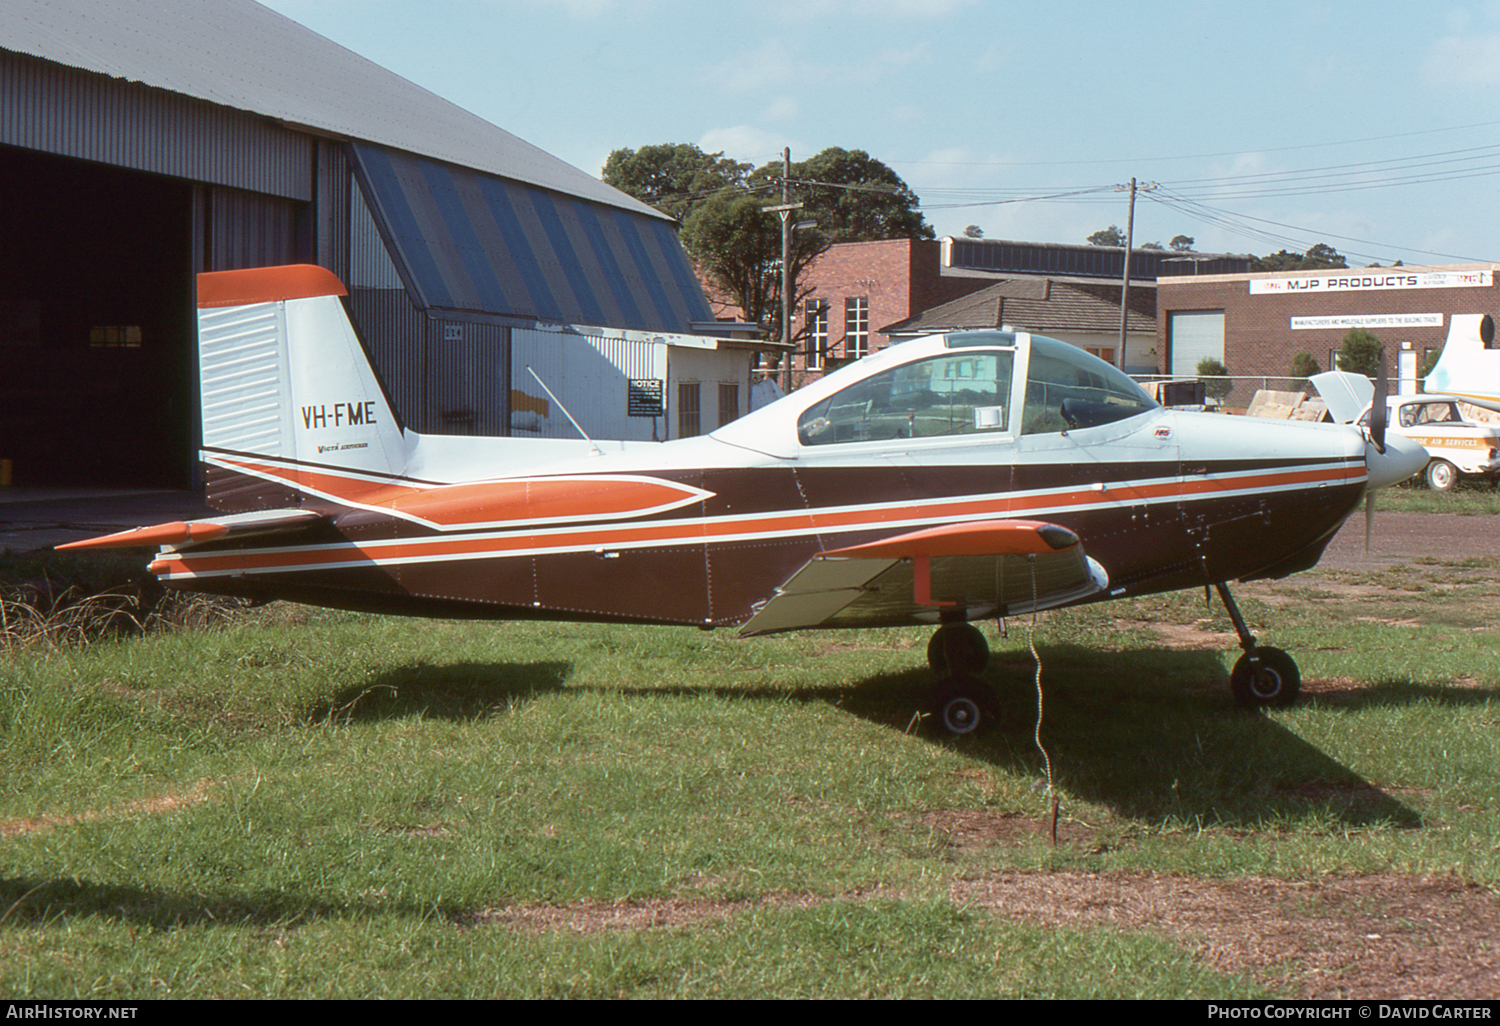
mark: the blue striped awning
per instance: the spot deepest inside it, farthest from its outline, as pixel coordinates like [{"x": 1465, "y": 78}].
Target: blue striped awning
[{"x": 470, "y": 241}]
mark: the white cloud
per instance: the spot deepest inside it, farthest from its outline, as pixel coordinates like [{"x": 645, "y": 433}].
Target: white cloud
[{"x": 747, "y": 143}]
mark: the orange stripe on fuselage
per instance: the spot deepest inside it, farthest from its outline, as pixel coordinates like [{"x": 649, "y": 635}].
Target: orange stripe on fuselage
[
  {"x": 490, "y": 502},
  {"x": 695, "y": 531}
]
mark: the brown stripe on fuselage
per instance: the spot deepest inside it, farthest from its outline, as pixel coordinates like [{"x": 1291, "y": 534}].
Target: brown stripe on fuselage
[{"x": 710, "y": 562}]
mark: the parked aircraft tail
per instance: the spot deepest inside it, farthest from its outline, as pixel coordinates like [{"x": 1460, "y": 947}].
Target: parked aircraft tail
[{"x": 288, "y": 394}]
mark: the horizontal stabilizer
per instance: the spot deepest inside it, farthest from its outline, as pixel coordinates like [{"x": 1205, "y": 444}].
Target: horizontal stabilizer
[{"x": 195, "y": 532}]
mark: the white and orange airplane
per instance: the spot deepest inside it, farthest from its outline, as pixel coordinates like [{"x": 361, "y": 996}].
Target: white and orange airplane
[{"x": 942, "y": 481}]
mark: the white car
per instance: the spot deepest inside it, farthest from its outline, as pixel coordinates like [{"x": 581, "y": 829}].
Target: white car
[{"x": 1457, "y": 446}]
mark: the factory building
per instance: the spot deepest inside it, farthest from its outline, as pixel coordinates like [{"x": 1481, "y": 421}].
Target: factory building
[
  {"x": 142, "y": 143},
  {"x": 1256, "y": 324}
]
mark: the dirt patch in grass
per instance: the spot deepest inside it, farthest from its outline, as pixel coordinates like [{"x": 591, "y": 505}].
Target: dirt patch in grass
[
  {"x": 967, "y": 830},
  {"x": 1387, "y": 936},
  {"x": 27, "y": 825},
  {"x": 1194, "y": 637},
  {"x": 587, "y": 917}
]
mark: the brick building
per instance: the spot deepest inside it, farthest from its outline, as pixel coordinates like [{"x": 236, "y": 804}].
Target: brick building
[
  {"x": 1257, "y": 323},
  {"x": 864, "y": 295}
]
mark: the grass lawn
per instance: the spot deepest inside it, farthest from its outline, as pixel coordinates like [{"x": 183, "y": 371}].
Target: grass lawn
[{"x": 288, "y": 802}]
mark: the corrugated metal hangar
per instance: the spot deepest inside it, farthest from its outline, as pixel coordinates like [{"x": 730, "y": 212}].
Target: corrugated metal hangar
[{"x": 143, "y": 142}]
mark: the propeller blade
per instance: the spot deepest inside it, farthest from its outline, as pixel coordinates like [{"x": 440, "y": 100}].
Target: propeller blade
[{"x": 1379, "y": 406}]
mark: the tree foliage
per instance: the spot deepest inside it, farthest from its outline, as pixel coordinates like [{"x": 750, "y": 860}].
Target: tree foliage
[
  {"x": 852, "y": 196},
  {"x": 1304, "y": 365},
  {"x": 1215, "y": 378},
  {"x": 1111, "y": 236},
  {"x": 1359, "y": 353},
  {"x": 737, "y": 243},
  {"x": 673, "y": 177},
  {"x": 1182, "y": 243},
  {"x": 1318, "y": 257}
]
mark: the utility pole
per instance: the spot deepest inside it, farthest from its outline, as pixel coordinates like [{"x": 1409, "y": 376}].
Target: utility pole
[
  {"x": 1125, "y": 281},
  {"x": 785, "y": 209}
]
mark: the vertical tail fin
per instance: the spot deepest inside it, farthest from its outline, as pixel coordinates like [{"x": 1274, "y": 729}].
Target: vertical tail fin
[{"x": 290, "y": 401}]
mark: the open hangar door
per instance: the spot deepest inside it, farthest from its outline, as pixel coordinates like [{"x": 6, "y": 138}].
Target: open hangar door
[
  {"x": 95, "y": 328},
  {"x": 97, "y": 319}
]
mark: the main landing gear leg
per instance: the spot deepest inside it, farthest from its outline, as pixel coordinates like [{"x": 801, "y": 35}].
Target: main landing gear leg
[
  {"x": 962, "y": 703},
  {"x": 1263, "y": 676}
]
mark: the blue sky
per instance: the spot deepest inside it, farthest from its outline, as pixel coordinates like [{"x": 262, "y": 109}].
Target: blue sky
[{"x": 1368, "y": 125}]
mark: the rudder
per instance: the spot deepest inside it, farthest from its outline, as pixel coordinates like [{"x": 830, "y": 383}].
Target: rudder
[{"x": 288, "y": 394}]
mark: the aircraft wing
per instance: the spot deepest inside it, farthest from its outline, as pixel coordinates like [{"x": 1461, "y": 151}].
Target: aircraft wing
[
  {"x": 994, "y": 567},
  {"x": 192, "y": 532}
]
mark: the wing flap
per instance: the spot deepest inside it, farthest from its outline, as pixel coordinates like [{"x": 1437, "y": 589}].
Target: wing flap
[
  {"x": 195, "y": 532},
  {"x": 989, "y": 568}
]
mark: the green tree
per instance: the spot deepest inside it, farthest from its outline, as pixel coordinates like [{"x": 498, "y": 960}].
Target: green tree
[
  {"x": 1317, "y": 258},
  {"x": 1111, "y": 236},
  {"x": 1215, "y": 378},
  {"x": 973, "y": 231},
  {"x": 1304, "y": 366},
  {"x": 673, "y": 177},
  {"x": 852, "y": 196},
  {"x": 1182, "y": 243},
  {"x": 737, "y": 243},
  {"x": 1359, "y": 352}
]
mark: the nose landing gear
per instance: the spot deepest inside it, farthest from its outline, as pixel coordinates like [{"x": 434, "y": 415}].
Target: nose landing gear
[{"x": 1263, "y": 676}]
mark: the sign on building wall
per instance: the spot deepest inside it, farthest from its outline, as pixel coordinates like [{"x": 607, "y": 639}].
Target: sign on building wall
[
  {"x": 644, "y": 397},
  {"x": 1411, "y": 320},
  {"x": 1371, "y": 281}
]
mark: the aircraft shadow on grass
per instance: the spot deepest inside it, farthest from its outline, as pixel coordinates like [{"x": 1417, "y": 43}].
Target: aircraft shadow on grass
[
  {"x": 459, "y": 691},
  {"x": 29, "y": 903},
  {"x": 1150, "y": 733}
]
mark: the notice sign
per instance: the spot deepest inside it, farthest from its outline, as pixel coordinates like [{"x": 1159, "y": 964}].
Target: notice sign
[
  {"x": 644, "y": 397},
  {"x": 1383, "y": 280},
  {"x": 1415, "y": 320}
]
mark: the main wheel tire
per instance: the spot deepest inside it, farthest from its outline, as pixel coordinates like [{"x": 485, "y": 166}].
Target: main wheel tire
[
  {"x": 964, "y": 705},
  {"x": 958, "y": 648},
  {"x": 1276, "y": 682},
  {"x": 1442, "y": 476}
]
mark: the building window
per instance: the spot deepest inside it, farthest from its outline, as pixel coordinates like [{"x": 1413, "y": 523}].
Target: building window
[
  {"x": 817, "y": 333},
  {"x": 729, "y": 403},
  {"x": 857, "y": 327},
  {"x": 1105, "y": 353},
  {"x": 688, "y": 422}
]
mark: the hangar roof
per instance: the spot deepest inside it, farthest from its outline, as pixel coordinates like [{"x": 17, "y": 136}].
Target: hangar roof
[{"x": 239, "y": 54}]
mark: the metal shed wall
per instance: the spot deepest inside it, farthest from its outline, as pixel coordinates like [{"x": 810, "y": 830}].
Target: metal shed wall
[{"x": 71, "y": 113}]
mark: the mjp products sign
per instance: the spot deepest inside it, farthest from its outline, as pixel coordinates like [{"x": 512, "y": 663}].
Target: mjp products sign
[{"x": 1383, "y": 280}]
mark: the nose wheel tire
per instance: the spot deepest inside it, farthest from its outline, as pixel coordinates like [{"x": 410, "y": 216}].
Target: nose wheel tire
[
  {"x": 958, "y": 648},
  {"x": 1275, "y": 682}
]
